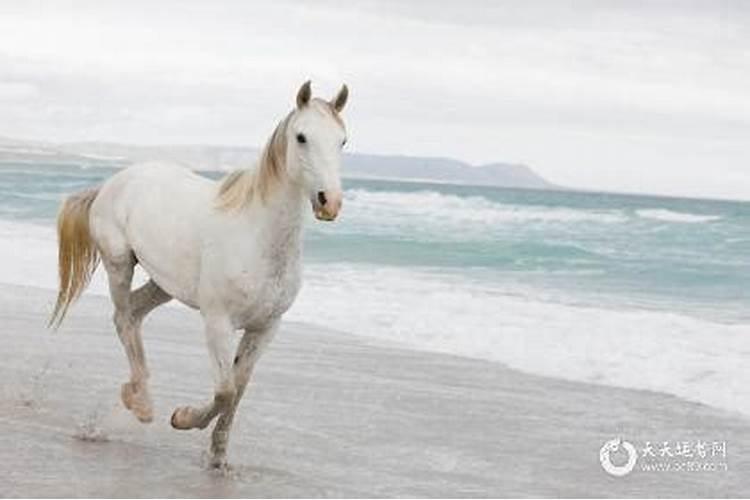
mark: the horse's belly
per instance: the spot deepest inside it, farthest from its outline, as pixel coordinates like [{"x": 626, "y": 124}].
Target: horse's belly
[
  {"x": 170, "y": 256},
  {"x": 173, "y": 279}
]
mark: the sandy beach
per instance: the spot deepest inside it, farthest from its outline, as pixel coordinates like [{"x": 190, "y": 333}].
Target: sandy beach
[{"x": 328, "y": 414}]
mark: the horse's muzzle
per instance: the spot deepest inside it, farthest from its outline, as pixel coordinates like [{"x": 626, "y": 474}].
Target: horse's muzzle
[{"x": 327, "y": 204}]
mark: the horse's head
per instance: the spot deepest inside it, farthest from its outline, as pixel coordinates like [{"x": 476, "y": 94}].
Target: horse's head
[{"x": 315, "y": 137}]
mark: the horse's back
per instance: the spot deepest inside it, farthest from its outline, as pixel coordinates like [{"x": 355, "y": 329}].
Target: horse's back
[
  {"x": 150, "y": 191},
  {"x": 155, "y": 211}
]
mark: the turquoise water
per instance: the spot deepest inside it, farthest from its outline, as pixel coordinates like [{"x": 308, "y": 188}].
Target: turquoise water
[
  {"x": 632, "y": 291},
  {"x": 684, "y": 254}
]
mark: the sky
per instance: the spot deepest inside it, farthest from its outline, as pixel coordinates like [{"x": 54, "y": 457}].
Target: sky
[{"x": 636, "y": 96}]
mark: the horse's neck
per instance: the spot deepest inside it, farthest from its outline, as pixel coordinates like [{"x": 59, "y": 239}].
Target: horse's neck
[{"x": 283, "y": 219}]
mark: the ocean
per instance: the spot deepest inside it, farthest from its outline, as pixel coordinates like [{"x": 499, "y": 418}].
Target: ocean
[{"x": 635, "y": 291}]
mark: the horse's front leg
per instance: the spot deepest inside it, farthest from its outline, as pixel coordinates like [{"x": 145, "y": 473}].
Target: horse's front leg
[
  {"x": 249, "y": 350},
  {"x": 219, "y": 332}
]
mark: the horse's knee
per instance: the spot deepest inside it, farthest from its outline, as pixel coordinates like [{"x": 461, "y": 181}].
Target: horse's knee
[
  {"x": 123, "y": 320},
  {"x": 224, "y": 398}
]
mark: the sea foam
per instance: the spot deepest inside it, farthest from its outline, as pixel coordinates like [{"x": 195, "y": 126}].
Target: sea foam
[
  {"x": 662, "y": 214},
  {"x": 673, "y": 353},
  {"x": 432, "y": 204},
  {"x": 458, "y": 218}
]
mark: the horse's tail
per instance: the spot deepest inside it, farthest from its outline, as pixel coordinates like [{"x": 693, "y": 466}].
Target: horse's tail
[{"x": 77, "y": 253}]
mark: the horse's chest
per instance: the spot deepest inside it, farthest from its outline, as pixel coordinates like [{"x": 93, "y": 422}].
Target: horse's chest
[{"x": 261, "y": 297}]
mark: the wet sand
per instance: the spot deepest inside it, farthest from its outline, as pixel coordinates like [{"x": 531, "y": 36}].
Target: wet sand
[{"x": 328, "y": 414}]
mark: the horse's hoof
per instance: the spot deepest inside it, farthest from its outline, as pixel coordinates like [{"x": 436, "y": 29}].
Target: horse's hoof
[
  {"x": 181, "y": 418},
  {"x": 126, "y": 395},
  {"x": 219, "y": 462},
  {"x": 145, "y": 416},
  {"x": 137, "y": 402}
]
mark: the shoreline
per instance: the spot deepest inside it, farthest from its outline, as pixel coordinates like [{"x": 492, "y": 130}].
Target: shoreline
[{"x": 328, "y": 414}]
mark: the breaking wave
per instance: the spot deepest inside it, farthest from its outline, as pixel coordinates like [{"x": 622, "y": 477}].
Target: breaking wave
[{"x": 662, "y": 214}]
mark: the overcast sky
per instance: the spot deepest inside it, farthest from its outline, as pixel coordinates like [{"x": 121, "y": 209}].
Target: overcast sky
[{"x": 632, "y": 96}]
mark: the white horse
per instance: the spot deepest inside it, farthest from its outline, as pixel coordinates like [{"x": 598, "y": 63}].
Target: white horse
[{"x": 231, "y": 249}]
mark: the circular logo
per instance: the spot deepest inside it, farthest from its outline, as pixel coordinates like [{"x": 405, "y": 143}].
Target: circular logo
[{"x": 614, "y": 446}]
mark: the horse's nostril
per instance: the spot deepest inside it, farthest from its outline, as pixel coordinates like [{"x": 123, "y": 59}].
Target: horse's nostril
[{"x": 322, "y": 198}]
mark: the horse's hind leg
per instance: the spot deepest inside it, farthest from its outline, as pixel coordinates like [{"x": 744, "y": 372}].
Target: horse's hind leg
[
  {"x": 147, "y": 298},
  {"x": 135, "y": 395},
  {"x": 130, "y": 308}
]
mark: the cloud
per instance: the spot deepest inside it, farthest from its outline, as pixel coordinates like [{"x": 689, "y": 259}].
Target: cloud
[
  {"x": 16, "y": 91},
  {"x": 606, "y": 95}
]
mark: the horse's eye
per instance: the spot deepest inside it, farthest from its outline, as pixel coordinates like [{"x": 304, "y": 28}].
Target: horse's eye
[
  {"x": 343, "y": 143},
  {"x": 301, "y": 138}
]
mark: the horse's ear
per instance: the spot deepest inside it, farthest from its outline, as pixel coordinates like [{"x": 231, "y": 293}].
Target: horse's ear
[
  {"x": 340, "y": 101},
  {"x": 303, "y": 95}
]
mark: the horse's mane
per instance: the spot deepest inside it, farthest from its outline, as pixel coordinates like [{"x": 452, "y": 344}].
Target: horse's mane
[{"x": 238, "y": 188}]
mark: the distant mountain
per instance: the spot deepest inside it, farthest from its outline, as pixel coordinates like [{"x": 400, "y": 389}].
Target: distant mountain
[
  {"x": 363, "y": 166},
  {"x": 443, "y": 170}
]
